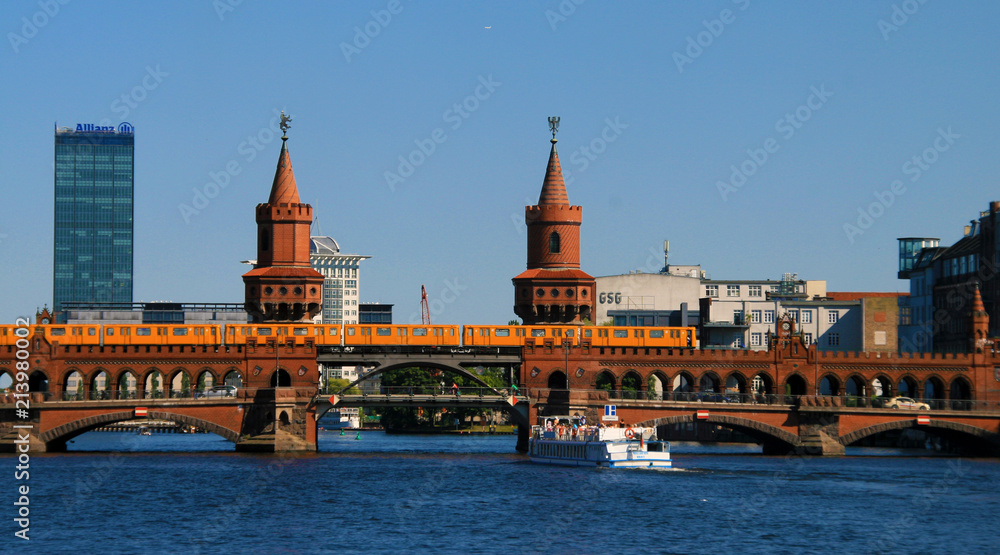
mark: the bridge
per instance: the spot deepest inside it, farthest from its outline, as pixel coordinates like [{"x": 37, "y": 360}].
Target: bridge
[{"x": 790, "y": 397}]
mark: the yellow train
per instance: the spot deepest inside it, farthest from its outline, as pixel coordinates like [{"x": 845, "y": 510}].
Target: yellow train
[{"x": 355, "y": 335}]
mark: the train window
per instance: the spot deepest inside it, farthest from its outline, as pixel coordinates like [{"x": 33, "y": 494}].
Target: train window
[
  {"x": 91, "y": 331},
  {"x": 127, "y": 331},
  {"x": 520, "y": 332},
  {"x": 161, "y": 331},
  {"x": 333, "y": 331},
  {"x": 263, "y": 331},
  {"x": 570, "y": 333},
  {"x": 639, "y": 333},
  {"x": 402, "y": 332},
  {"x": 143, "y": 331},
  {"x": 587, "y": 333},
  {"x": 503, "y": 332},
  {"x": 656, "y": 333},
  {"x": 557, "y": 332},
  {"x": 383, "y": 331},
  {"x": 180, "y": 331},
  {"x": 58, "y": 331},
  {"x": 621, "y": 333},
  {"x": 111, "y": 331},
  {"x": 300, "y": 331},
  {"x": 419, "y": 332},
  {"x": 537, "y": 333},
  {"x": 451, "y": 332},
  {"x": 350, "y": 331},
  {"x": 77, "y": 331}
]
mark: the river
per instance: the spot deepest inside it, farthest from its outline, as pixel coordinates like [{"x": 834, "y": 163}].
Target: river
[{"x": 124, "y": 493}]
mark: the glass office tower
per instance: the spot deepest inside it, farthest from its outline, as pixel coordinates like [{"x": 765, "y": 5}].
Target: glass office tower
[{"x": 93, "y": 214}]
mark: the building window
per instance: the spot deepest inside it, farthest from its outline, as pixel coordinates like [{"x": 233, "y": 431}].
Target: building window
[
  {"x": 768, "y": 316},
  {"x": 905, "y": 315},
  {"x": 737, "y": 317},
  {"x": 754, "y": 339},
  {"x": 807, "y": 339},
  {"x": 794, "y": 315},
  {"x": 832, "y": 317},
  {"x": 755, "y": 316},
  {"x": 737, "y": 341},
  {"x": 711, "y": 290},
  {"x": 732, "y": 290},
  {"x": 754, "y": 290},
  {"x": 265, "y": 240},
  {"x": 833, "y": 339},
  {"x": 554, "y": 242},
  {"x": 807, "y": 316}
]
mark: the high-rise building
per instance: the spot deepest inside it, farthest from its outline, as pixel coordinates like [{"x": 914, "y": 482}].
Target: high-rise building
[
  {"x": 341, "y": 277},
  {"x": 94, "y": 187}
]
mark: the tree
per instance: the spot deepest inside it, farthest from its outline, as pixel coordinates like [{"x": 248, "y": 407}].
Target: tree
[{"x": 185, "y": 384}]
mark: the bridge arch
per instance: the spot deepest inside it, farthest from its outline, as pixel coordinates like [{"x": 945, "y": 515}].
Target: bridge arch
[
  {"x": 855, "y": 385},
  {"x": 448, "y": 368},
  {"x": 934, "y": 388},
  {"x": 709, "y": 382},
  {"x": 735, "y": 382},
  {"x": 766, "y": 434},
  {"x": 882, "y": 386},
  {"x": 606, "y": 380},
  {"x": 66, "y": 432},
  {"x": 971, "y": 436},
  {"x": 657, "y": 384},
  {"x": 908, "y": 387},
  {"x": 829, "y": 384}
]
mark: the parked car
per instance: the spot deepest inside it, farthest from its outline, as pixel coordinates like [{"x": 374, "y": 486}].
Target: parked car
[
  {"x": 712, "y": 397},
  {"x": 221, "y": 391},
  {"x": 906, "y": 403}
]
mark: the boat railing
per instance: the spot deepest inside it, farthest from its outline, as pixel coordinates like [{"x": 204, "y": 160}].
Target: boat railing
[{"x": 582, "y": 433}]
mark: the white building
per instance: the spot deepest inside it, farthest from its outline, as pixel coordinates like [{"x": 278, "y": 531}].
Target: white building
[
  {"x": 641, "y": 299},
  {"x": 341, "y": 280}
]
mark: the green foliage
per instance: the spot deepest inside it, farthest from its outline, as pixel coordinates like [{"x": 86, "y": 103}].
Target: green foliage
[
  {"x": 513, "y": 323},
  {"x": 334, "y": 385},
  {"x": 608, "y": 322}
]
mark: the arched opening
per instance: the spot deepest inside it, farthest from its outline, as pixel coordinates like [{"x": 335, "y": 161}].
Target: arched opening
[
  {"x": 180, "y": 384},
  {"x": 736, "y": 387},
  {"x": 631, "y": 385},
  {"x": 829, "y": 385},
  {"x": 656, "y": 385},
  {"x": 233, "y": 378},
  {"x": 554, "y": 243},
  {"x": 204, "y": 382},
  {"x": 907, "y": 387},
  {"x": 605, "y": 381},
  {"x": 283, "y": 419},
  {"x": 6, "y": 380},
  {"x": 795, "y": 385},
  {"x": 856, "y": 392},
  {"x": 683, "y": 386},
  {"x": 154, "y": 385},
  {"x": 280, "y": 378},
  {"x": 960, "y": 394},
  {"x": 38, "y": 382},
  {"x": 762, "y": 384},
  {"x": 127, "y": 385},
  {"x": 934, "y": 393},
  {"x": 73, "y": 389},
  {"x": 99, "y": 385},
  {"x": 709, "y": 383},
  {"x": 882, "y": 387}
]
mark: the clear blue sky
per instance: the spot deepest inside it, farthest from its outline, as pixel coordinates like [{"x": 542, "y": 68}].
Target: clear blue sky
[{"x": 197, "y": 85}]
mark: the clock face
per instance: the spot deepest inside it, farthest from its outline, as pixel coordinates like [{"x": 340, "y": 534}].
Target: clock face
[{"x": 785, "y": 326}]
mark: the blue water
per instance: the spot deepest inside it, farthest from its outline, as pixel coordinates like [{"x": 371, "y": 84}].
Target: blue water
[{"x": 123, "y": 493}]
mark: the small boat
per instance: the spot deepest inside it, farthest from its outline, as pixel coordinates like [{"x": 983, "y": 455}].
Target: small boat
[
  {"x": 601, "y": 447},
  {"x": 144, "y": 431}
]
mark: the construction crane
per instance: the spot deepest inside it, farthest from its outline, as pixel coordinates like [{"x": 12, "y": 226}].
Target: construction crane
[{"x": 425, "y": 312}]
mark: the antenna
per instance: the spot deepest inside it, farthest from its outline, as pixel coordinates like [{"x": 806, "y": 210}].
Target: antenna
[{"x": 425, "y": 313}]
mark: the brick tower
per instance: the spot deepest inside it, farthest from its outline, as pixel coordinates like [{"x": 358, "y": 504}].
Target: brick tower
[
  {"x": 979, "y": 323},
  {"x": 283, "y": 286},
  {"x": 553, "y": 289}
]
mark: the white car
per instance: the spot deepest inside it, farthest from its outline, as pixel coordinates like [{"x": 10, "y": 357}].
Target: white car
[
  {"x": 221, "y": 391},
  {"x": 906, "y": 403}
]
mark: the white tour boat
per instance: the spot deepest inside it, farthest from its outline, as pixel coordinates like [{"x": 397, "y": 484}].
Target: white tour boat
[{"x": 605, "y": 447}]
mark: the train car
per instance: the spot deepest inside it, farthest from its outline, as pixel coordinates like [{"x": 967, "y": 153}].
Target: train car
[
  {"x": 632, "y": 336},
  {"x": 374, "y": 334},
  {"x": 557, "y": 335},
  {"x": 162, "y": 334},
  {"x": 8, "y": 334},
  {"x": 493, "y": 336},
  {"x": 74, "y": 334}
]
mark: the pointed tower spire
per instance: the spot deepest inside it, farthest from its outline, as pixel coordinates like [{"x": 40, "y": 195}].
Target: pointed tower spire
[
  {"x": 283, "y": 189},
  {"x": 553, "y": 188},
  {"x": 979, "y": 323}
]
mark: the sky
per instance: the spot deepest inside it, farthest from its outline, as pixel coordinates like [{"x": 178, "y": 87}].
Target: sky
[{"x": 759, "y": 138}]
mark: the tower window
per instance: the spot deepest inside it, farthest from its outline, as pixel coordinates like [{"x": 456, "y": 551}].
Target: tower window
[
  {"x": 265, "y": 240},
  {"x": 554, "y": 242}
]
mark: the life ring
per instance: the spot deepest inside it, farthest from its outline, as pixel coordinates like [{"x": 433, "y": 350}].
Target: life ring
[{"x": 629, "y": 433}]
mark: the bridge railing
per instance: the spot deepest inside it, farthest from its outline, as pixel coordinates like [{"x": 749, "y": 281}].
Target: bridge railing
[{"x": 439, "y": 391}]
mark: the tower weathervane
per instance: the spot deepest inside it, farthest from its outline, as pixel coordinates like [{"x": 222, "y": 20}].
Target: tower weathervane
[
  {"x": 284, "y": 125},
  {"x": 554, "y": 126}
]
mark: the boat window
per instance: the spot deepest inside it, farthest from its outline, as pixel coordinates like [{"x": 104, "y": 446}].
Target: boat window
[{"x": 503, "y": 332}]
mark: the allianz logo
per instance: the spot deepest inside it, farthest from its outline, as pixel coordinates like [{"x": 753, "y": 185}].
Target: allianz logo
[{"x": 124, "y": 128}]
